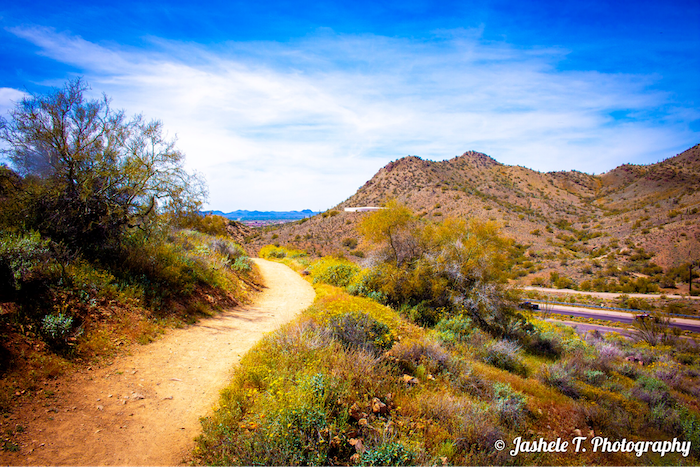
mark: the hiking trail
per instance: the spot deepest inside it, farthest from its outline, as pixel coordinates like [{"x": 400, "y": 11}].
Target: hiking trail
[{"x": 144, "y": 408}]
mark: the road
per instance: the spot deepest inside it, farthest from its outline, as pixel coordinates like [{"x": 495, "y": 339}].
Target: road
[
  {"x": 619, "y": 316},
  {"x": 610, "y": 295}
]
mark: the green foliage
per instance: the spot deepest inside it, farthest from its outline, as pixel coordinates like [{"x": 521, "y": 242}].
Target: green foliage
[
  {"x": 58, "y": 330},
  {"x": 23, "y": 257},
  {"x": 450, "y": 267},
  {"x": 423, "y": 314},
  {"x": 504, "y": 354},
  {"x": 510, "y": 405},
  {"x": 561, "y": 377},
  {"x": 358, "y": 330},
  {"x": 454, "y": 329},
  {"x": 95, "y": 173},
  {"x": 278, "y": 252},
  {"x": 392, "y": 453},
  {"x": 332, "y": 271}
]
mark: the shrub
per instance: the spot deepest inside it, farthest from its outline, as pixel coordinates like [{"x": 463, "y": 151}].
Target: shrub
[
  {"x": 334, "y": 272},
  {"x": 367, "y": 283},
  {"x": 22, "y": 258},
  {"x": 58, "y": 330},
  {"x": 454, "y": 329},
  {"x": 561, "y": 377},
  {"x": 423, "y": 314},
  {"x": 546, "y": 343},
  {"x": 350, "y": 243},
  {"x": 360, "y": 331},
  {"x": 503, "y": 354},
  {"x": 272, "y": 252},
  {"x": 392, "y": 453},
  {"x": 652, "y": 391},
  {"x": 424, "y": 354},
  {"x": 510, "y": 405}
]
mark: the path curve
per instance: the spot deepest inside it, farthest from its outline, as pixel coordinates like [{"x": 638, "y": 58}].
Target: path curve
[{"x": 144, "y": 409}]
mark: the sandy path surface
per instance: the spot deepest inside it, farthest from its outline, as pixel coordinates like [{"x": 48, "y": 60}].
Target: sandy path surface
[{"x": 144, "y": 409}]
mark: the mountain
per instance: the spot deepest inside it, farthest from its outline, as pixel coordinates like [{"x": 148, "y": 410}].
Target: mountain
[
  {"x": 565, "y": 221},
  {"x": 264, "y": 215}
]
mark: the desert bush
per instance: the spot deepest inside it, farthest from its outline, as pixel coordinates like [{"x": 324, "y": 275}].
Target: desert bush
[
  {"x": 210, "y": 224},
  {"x": 652, "y": 391},
  {"x": 561, "y": 377},
  {"x": 391, "y": 453},
  {"x": 333, "y": 271},
  {"x": 504, "y": 354},
  {"x": 58, "y": 330},
  {"x": 421, "y": 356},
  {"x": 350, "y": 243},
  {"x": 422, "y": 313},
  {"x": 272, "y": 252},
  {"x": 454, "y": 329},
  {"x": 23, "y": 257},
  {"x": 608, "y": 355},
  {"x": 510, "y": 405},
  {"x": 357, "y": 330},
  {"x": 545, "y": 343}
]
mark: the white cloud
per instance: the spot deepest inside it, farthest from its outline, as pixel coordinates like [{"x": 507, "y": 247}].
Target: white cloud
[
  {"x": 8, "y": 98},
  {"x": 304, "y": 124}
]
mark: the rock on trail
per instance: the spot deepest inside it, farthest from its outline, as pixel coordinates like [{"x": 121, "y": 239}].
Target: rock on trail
[{"x": 144, "y": 409}]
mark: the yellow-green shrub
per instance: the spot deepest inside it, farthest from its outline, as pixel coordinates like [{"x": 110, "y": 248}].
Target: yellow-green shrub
[{"x": 334, "y": 271}]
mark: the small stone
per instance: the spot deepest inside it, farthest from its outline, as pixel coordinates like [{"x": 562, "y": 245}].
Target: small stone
[
  {"x": 100, "y": 407},
  {"x": 355, "y": 411},
  {"x": 357, "y": 444},
  {"x": 169, "y": 398},
  {"x": 410, "y": 380},
  {"x": 137, "y": 396},
  {"x": 378, "y": 406}
]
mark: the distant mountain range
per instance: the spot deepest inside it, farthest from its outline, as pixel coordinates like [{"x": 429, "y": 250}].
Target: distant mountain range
[{"x": 264, "y": 215}]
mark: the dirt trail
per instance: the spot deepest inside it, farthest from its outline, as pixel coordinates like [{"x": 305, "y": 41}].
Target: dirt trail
[{"x": 144, "y": 409}]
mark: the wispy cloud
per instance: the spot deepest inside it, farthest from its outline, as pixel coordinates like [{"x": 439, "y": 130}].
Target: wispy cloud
[{"x": 305, "y": 123}]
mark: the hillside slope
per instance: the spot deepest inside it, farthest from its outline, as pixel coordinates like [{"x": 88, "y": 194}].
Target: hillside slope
[{"x": 568, "y": 222}]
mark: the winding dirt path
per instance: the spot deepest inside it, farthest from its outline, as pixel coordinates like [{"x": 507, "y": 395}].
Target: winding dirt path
[{"x": 144, "y": 409}]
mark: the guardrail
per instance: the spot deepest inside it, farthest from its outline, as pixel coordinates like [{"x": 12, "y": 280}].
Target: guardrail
[{"x": 586, "y": 305}]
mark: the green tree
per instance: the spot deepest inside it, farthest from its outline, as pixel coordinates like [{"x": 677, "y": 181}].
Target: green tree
[
  {"x": 94, "y": 173},
  {"x": 392, "y": 227},
  {"x": 454, "y": 266}
]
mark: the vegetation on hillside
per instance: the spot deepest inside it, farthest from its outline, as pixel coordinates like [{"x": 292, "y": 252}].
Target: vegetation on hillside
[
  {"x": 352, "y": 381},
  {"x": 101, "y": 243}
]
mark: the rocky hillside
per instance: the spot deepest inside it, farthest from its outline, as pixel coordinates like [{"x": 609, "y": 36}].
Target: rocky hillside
[{"x": 568, "y": 222}]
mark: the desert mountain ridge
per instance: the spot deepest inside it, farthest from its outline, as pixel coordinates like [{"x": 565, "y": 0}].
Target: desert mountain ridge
[{"x": 569, "y": 218}]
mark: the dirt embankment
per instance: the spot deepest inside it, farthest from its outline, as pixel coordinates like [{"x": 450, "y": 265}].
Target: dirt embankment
[{"x": 144, "y": 409}]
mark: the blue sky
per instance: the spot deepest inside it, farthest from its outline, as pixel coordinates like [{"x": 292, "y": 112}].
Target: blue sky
[{"x": 294, "y": 105}]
